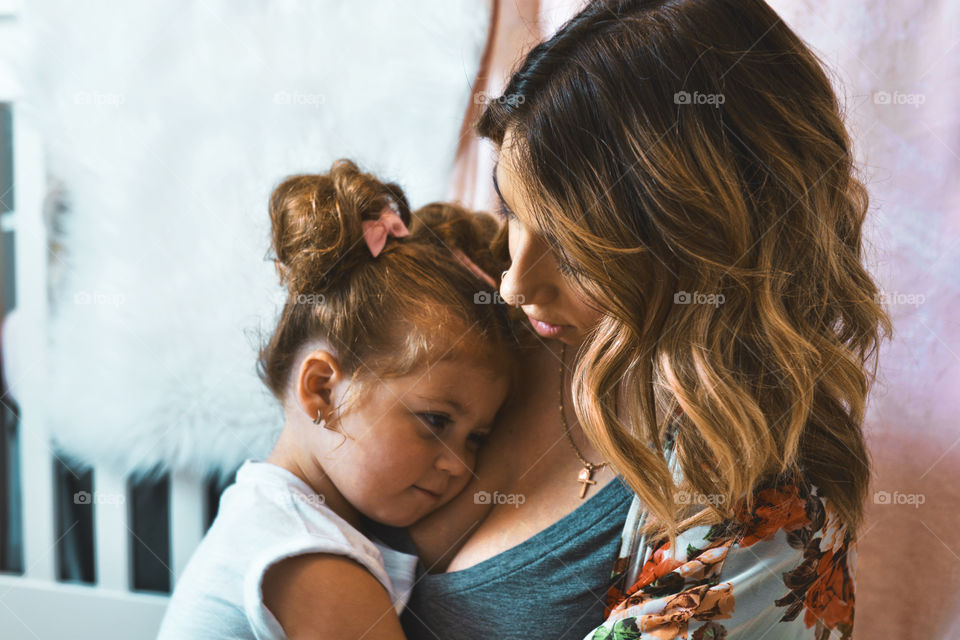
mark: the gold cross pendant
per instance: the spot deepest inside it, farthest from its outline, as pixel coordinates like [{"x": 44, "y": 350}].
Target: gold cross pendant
[{"x": 586, "y": 475}]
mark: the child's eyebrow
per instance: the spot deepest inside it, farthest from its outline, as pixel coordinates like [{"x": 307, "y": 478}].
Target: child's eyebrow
[{"x": 453, "y": 404}]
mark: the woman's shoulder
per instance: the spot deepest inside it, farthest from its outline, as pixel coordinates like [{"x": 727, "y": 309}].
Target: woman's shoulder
[{"x": 786, "y": 560}]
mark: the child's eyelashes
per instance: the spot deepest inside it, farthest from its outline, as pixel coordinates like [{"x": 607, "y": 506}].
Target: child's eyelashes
[
  {"x": 438, "y": 422},
  {"x": 435, "y": 420}
]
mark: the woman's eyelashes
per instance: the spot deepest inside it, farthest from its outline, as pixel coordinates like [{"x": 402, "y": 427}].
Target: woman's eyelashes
[
  {"x": 478, "y": 439},
  {"x": 504, "y": 212},
  {"x": 564, "y": 267}
]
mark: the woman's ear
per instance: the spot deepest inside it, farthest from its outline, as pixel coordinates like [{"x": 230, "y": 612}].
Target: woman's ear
[{"x": 319, "y": 373}]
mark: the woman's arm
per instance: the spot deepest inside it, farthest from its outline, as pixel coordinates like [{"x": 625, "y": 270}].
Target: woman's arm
[{"x": 320, "y": 595}]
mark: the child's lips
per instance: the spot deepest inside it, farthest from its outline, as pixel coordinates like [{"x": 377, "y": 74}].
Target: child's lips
[{"x": 432, "y": 494}]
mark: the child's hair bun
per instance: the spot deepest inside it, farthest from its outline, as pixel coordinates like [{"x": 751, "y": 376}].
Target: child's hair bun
[
  {"x": 451, "y": 226},
  {"x": 316, "y": 224}
]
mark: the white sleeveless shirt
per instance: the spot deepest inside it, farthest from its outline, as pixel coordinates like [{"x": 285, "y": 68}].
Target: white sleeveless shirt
[{"x": 266, "y": 516}]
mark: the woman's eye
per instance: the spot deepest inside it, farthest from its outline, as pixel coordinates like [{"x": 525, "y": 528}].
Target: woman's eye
[
  {"x": 565, "y": 268},
  {"x": 435, "y": 420},
  {"x": 478, "y": 439},
  {"x": 505, "y": 213}
]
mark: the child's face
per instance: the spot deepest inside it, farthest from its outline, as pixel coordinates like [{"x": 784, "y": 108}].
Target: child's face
[{"x": 412, "y": 447}]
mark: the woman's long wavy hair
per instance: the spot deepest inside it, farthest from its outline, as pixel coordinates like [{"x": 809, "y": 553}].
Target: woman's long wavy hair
[{"x": 688, "y": 163}]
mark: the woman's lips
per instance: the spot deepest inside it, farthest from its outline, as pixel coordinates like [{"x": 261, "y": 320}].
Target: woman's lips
[{"x": 546, "y": 329}]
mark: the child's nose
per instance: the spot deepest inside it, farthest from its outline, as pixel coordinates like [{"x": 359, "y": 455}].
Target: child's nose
[{"x": 455, "y": 461}]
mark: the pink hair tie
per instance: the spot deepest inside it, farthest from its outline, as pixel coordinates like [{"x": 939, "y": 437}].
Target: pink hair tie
[
  {"x": 388, "y": 223},
  {"x": 477, "y": 271}
]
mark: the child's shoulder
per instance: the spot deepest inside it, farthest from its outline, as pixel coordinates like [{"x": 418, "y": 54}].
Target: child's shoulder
[{"x": 267, "y": 500}]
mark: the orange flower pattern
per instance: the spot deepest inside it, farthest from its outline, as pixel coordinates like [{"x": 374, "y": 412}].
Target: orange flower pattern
[{"x": 749, "y": 577}]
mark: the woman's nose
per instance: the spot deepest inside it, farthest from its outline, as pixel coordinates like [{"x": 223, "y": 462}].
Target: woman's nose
[{"x": 528, "y": 280}]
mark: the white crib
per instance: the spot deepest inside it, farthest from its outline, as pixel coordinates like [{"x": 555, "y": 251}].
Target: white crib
[{"x": 35, "y": 605}]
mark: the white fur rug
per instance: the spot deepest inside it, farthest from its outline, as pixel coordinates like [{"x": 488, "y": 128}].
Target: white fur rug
[{"x": 168, "y": 123}]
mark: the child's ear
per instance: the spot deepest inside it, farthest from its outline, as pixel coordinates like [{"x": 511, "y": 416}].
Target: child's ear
[{"x": 319, "y": 373}]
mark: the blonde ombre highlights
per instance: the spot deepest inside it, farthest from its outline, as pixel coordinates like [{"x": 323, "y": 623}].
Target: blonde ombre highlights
[{"x": 689, "y": 165}]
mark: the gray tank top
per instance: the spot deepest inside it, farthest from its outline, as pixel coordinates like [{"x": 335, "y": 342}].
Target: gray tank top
[{"x": 550, "y": 586}]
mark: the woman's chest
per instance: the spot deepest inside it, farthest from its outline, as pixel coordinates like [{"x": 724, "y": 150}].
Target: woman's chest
[{"x": 532, "y": 500}]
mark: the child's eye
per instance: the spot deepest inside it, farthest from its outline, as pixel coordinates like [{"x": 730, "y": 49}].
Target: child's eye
[{"x": 435, "y": 420}]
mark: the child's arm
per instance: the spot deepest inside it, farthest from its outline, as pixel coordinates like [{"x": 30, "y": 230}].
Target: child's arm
[{"x": 321, "y": 595}]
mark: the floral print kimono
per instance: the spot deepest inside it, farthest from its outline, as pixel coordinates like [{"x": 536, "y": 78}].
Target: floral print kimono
[{"x": 783, "y": 571}]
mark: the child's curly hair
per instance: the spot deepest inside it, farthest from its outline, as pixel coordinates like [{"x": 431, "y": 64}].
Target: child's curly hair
[{"x": 412, "y": 305}]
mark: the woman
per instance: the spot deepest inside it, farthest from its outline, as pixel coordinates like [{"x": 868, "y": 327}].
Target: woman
[{"x": 684, "y": 226}]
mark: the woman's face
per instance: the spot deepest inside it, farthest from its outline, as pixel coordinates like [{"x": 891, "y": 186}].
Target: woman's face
[{"x": 551, "y": 300}]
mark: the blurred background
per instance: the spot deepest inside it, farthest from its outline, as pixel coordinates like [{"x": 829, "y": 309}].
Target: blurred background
[{"x": 138, "y": 145}]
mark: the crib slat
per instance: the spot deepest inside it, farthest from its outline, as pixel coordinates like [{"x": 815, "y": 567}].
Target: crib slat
[
  {"x": 111, "y": 532},
  {"x": 36, "y": 466},
  {"x": 186, "y": 520},
  {"x": 36, "y": 461}
]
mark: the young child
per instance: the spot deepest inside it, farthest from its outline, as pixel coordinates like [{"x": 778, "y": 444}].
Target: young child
[{"x": 391, "y": 363}]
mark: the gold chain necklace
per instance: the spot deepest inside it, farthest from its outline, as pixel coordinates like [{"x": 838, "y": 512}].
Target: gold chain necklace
[{"x": 586, "y": 474}]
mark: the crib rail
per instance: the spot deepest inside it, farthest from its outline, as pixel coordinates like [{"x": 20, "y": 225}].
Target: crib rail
[{"x": 35, "y": 603}]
